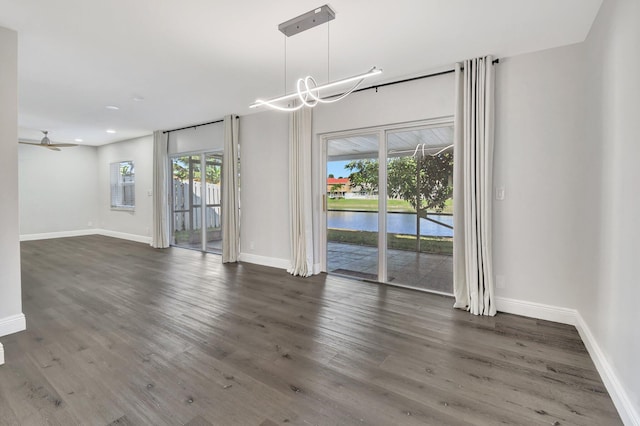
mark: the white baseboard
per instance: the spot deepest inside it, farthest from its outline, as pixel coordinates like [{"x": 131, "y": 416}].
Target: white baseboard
[
  {"x": 273, "y": 262},
  {"x": 83, "y": 232},
  {"x": 60, "y": 234},
  {"x": 124, "y": 236},
  {"x": 536, "y": 310},
  {"x": 626, "y": 409},
  {"x": 12, "y": 324}
]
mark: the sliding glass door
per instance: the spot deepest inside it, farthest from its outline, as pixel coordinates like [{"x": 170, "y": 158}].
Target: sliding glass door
[
  {"x": 352, "y": 206},
  {"x": 392, "y": 224},
  {"x": 212, "y": 198},
  {"x": 196, "y": 201},
  {"x": 420, "y": 208}
]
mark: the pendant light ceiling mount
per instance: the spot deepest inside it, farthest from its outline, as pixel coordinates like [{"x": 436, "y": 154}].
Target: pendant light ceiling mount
[
  {"x": 308, "y": 92},
  {"x": 306, "y": 21}
]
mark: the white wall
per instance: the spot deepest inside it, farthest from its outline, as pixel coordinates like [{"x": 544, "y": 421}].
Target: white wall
[
  {"x": 264, "y": 182},
  {"x": 135, "y": 223},
  {"x": 67, "y": 193},
  {"x": 11, "y": 318},
  {"x": 610, "y": 306},
  {"x": 201, "y": 138},
  {"x": 546, "y": 230},
  {"x": 58, "y": 189},
  {"x": 406, "y": 102}
]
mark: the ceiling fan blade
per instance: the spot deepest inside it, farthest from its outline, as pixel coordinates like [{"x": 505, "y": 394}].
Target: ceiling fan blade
[
  {"x": 52, "y": 146},
  {"x": 46, "y": 143}
]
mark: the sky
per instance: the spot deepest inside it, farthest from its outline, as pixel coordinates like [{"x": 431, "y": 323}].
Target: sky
[{"x": 337, "y": 169}]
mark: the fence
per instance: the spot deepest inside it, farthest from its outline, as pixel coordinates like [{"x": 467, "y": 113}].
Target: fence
[{"x": 187, "y": 216}]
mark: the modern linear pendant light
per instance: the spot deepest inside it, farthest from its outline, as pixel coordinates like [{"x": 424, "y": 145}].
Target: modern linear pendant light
[{"x": 308, "y": 93}]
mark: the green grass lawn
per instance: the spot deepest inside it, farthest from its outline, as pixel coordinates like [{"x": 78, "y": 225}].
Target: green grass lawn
[
  {"x": 433, "y": 245},
  {"x": 194, "y": 235},
  {"x": 372, "y": 205}
]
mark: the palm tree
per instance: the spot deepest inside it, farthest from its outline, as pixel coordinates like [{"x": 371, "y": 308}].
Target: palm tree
[{"x": 336, "y": 187}]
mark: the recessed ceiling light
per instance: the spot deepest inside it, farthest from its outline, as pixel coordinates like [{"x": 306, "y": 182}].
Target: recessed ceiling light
[
  {"x": 110, "y": 131},
  {"x": 138, "y": 98},
  {"x": 77, "y": 140},
  {"x": 112, "y": 107}
]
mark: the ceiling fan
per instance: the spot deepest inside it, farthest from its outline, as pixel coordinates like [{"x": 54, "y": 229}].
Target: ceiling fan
[{"x": 46, "y": 143}]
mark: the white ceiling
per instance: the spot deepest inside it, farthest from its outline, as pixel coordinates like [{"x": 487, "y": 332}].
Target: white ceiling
[{"x": 197, "y": 60}]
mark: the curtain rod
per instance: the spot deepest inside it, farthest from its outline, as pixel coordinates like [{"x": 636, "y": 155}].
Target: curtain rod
[
  {"x": 196, "y": 125},
  {"x": 391, "y": 83},
  {"x": 420, "y": 77}
]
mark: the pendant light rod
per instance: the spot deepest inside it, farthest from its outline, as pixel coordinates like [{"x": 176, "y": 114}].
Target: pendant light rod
[{"x": 313, "y": 92}]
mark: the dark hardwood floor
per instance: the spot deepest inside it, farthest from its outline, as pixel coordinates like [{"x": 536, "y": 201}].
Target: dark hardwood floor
[{"x": 121, "y": 334}]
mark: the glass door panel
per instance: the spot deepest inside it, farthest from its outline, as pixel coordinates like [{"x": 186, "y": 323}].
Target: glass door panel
[
  {"x": 196, "y": 201},
  {"x": 185, "y": 204},
  {"x": 352, "y": 206},
  {"x": 419, "y": 218},
  {"x": 212, "y": 197},
  {"x": 195, "y": 189}
]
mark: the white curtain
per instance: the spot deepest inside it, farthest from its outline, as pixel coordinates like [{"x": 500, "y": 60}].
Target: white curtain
[
  {"x": 161, "y": 234},
  {"x": 300, "y": 231},
  {"x": 473, "y": 169},
  {"x": 230, "y": 193}
]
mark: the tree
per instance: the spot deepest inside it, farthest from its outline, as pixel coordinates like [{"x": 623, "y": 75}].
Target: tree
[
  {"x": 213, "y": 173},
  {"x": 364, "y": 173},
  {"x": 181, "y": 168},
  {"x": 422, "y": 181},
  {"x": 401, "y": 179},
  {"x": 126, "y": 168},
  {"x": 435, "y": 186},
  {"x": 336, "y": 187}
]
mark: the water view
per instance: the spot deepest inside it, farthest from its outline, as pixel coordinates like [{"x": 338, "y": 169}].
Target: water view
[{"x": 397, "y": 223}]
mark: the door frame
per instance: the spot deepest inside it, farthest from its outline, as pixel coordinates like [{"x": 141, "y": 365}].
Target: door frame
[
  {"x": 203, "y": 204},
  {"x": 382, "y": 132}
]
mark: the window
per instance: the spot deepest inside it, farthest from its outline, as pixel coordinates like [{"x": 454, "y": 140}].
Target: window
[{"x": 123, "y": 185}]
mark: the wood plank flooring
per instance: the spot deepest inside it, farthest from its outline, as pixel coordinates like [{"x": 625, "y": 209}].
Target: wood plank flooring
[{"x": 121, "y": 334}]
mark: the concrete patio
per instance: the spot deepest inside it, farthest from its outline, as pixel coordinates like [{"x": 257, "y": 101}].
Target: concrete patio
[{"x": 418, "y": 270}]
